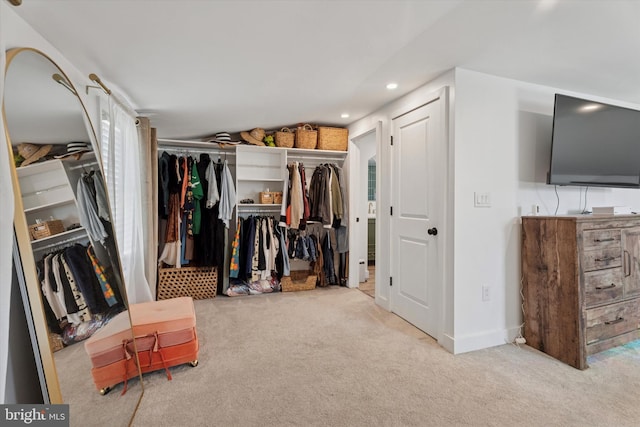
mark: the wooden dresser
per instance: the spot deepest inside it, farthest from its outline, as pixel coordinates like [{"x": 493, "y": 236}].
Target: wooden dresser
[{"x": 581, "y": 284}]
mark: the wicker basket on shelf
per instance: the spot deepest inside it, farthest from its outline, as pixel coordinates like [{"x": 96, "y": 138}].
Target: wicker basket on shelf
[
  {"x": 195, "y": 282},
  {"x": 306, "y": 137},
  {"x": 298, "y": 281},
  {"x": 285, "y": 138},
  {"x": 46, "y": 229},
  {"x": 333, "y": 138}
]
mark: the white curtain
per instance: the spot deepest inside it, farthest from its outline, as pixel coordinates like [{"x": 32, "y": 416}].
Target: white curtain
[{"x": 124, "y": 169}]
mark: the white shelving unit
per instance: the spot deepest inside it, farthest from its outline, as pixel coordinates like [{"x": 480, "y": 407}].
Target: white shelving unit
[
  {"x": 47, "y": 193},
  {"x": 265, "y": 169}
]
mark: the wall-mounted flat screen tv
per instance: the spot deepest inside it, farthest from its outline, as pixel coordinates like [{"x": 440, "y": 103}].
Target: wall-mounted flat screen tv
[{"x": 594, "y": 144}]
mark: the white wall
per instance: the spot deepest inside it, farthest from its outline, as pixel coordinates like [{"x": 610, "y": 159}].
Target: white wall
[
  {"x": 383, "y": 170},
  {"x": 14, "y": 32},
  {"x": 499, "y": 143},
  {"x": 502, "y": 146}
]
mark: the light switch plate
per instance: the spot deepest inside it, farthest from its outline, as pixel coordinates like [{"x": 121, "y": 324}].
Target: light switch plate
[{"x": 482, "y": 200}]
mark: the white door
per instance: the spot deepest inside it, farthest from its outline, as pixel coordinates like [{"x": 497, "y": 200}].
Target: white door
[{"x": 418, "y": 183}]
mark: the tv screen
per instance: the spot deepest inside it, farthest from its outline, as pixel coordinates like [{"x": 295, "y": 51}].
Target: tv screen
[{"x": 594, "y": 144}]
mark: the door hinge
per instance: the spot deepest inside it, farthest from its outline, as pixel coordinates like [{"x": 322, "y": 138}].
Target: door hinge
[
  {"x": 391, "y": 210},
  {"x": 390, "y": 281},
  {"x": 391, "y": 139}
]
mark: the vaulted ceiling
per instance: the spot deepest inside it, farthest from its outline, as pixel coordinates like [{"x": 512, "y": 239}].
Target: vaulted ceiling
[{"x": 200, "y": 67}]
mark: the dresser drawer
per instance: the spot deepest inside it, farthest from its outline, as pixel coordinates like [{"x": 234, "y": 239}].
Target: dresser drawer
[
  {"x": 598, "y": 259},
  {"x": 593, "y": 239},
  {"x": 612, "y": 320},
  {"x": 603, "y": 286}
]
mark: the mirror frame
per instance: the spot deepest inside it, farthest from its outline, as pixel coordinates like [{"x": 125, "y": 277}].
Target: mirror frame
[{"x": 21, "y": 229}]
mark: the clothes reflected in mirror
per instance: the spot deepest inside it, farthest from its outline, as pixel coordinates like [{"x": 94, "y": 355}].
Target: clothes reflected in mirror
[{"x": 80, "y": 282}]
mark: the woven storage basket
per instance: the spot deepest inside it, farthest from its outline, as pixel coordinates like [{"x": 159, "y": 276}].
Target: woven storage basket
[
  {"x": 333, "y": 138},
  {"x": 46, "y": 229},
  {"x": 285, "y": 138},
  {"x": 298, "y": 281},
  {"x": 306, "y": 137},
  {"x": 195, "y": 282},
  {"x": 56, "y": 342}
]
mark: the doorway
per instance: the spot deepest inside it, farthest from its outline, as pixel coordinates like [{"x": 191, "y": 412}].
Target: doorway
[{"x": 366, "y": 211}]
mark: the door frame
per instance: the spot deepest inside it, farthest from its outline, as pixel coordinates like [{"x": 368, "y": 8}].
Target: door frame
[
  {"x": 355, "y": 232},
  {"x": 445, "y": 316}
]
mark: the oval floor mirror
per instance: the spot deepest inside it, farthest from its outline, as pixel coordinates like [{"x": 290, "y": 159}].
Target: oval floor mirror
[{"x": 65, "y": 238}]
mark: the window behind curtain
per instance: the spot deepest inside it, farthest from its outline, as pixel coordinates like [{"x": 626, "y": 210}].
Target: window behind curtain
[{"x": 371, "y": 178}]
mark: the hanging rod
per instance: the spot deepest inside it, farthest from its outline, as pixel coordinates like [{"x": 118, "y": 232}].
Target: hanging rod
[
  {"x": 196, "y": 150},
  {"x": 258, "y": 210},
  {"x": 96, "y": 79},
  {"x": 83, "y": 165}
]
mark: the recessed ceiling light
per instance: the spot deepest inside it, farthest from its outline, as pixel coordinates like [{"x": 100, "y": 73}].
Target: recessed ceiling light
[
  {"x": 590, "y": 107},
  {"x": 392, "y": 86},
  {"x": 345, "y": 115}
]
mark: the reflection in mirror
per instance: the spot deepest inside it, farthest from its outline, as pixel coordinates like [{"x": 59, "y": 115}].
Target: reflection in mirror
[{"x": 66, "y": 242}]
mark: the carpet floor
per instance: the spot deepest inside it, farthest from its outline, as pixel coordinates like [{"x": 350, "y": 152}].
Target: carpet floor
[{"x": 331, "y": 357}]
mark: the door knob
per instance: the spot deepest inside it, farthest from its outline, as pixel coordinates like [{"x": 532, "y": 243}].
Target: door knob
[{"x": 432, "y": 231}]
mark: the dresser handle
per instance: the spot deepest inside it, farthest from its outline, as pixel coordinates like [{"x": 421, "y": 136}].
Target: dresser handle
[
  {"x": 611, "y": 258},
  {"x": 627, "y": 264},
  {"x": 613, "y": 322},
  {"x": 611, "y": 286},
  {"x": 603, "y": 240}
]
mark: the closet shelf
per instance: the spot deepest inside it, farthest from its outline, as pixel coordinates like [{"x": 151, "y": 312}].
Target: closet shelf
[
  {"x": 49, "y": 205},
  {"x": 194, "y": 145},
  {"x": 75, "y": 234}
]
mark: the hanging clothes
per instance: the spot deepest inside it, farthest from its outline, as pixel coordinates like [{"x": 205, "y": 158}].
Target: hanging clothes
[
  {"x": 88, "y": 210},
  {"x": 101, "y": 275},
  {"x": 319, "y": 196},
  {"x": 297, "y": 202},
  {"x": 50, "y": 292},
  {"x": 209, "y": 247},
  {"x": 305, "y": 198},
  {"x": 285, "y": 200},
  {"x": 172, "y": 248},
  {"x": 163, "y": 185},
  {"x": 327, "y": 256},
  {"x": 197, "y": 194},
  {"x": 227, "y": 196},
  {"x": 213, "y": 194},
  {"x": 82, "y": 314},
  {"x": 102, "y": 202},
  {"x": 234, "y": 267}
]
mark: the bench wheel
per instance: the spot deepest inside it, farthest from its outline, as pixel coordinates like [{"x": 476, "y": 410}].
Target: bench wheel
[
  {"x": 194, "y": 363},
  {"x": 104, "y": 391}
]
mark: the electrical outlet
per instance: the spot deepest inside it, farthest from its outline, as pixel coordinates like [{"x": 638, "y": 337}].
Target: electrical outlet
[{"x": 486, "y": 296}]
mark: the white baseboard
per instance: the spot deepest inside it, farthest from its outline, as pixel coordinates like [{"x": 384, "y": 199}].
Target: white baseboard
[{"x": 479, "y": 341}]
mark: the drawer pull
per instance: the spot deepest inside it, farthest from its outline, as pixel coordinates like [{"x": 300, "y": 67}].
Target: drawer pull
[
  {"x": 610, "y": 258},
  {"x": 613, "y": 322},
  {"x": 604, "y": 240},
  {"x": 626, "y": 264},
  {"x": 601, "y": 288}
]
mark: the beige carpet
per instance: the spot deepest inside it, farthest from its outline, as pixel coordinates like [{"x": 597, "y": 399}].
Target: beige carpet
[
  {"x": 330, "y": 357},
  {"x": 369, "y": 287}
]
